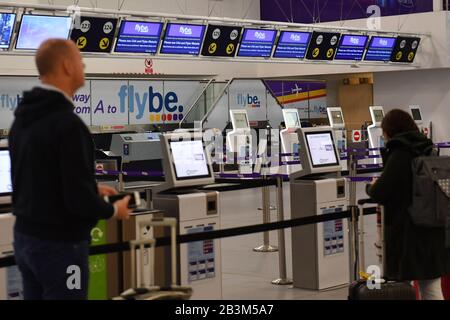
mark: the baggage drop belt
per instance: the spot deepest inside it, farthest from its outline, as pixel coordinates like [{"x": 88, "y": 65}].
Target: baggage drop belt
[{"x": 218, "y": 234}]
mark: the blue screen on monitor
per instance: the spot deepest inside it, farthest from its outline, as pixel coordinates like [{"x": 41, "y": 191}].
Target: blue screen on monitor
[
  {"x": 138, "y": 37},
  {"x": 380, "y": 49},
  {"x": 257, "y": 43},
  {"x": 183, "y": 39},
  {"x": 36, "y": 29},
  {"x": 351, "y": 47},
  {"x": 292, "y": 45},
  {"x": 6, "y": 29}
]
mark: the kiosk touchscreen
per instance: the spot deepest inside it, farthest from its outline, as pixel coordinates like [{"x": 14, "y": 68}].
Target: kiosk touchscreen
[
  {"x": 375, "y": 133},
  {"x": 289, "y": 139},
  {"x": 416, "y": 114},
  {"x": 336, "y": 118},
  {"x": 5, "y": 177},
  {"x": 239, "y": 140},
  {"x": 318, "y": 190},
  {"x": 187, "y": 167}
]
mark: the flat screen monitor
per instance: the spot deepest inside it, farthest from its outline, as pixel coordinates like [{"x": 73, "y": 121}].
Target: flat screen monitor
[
  {"x": 138, "y": 37},
  {"x": 183, "y": 39},
  {"x": 351, "y": 47},
  {"x": 189, "y": 159},
  {"x": 405, "y": 49},
  {"x": 5, "y": 173},
  {"x": 94, "y": 34},
  {"x": 380, "y": 49},
  {"x": 291, "y": 119},
  {"x": 35, "y": 29},
  {"x": 378, "y": 115},
  {"x": 337, "y": 117},
  {"x": 323, "y": 46},
  {"x": 292, "y": 45},
  {"x": 416, "y": 114},
  {"x": 7, "y": 21},
  {"x": 240, "y": 121},
  {"x": 321, "y": 149},
  {"x": 221, "y": 41},
  {"x": 257, "y": 43}
]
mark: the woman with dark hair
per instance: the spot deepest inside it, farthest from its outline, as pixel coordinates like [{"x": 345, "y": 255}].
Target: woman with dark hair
[{"x": 412, "y": 252}]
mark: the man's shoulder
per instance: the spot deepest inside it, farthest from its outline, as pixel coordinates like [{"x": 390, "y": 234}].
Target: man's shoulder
[{"x": 67, "y": 120}]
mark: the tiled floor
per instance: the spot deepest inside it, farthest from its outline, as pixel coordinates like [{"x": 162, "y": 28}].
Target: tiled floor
[{"x": 247, "y": 274}]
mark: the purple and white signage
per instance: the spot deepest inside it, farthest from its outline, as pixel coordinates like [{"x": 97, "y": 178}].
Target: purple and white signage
[
  {"x": 292, "y": 45},
  {"x": 380, "y": 49},
  {"x": 183, "y": 39},
  {"x": 138, "y": 37},
  {"x": 257, "y": 43},
  {"x": 351, "y": 47}
]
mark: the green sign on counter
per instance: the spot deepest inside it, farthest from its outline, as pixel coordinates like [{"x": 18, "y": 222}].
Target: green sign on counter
[{"x": 98, "y": 277}]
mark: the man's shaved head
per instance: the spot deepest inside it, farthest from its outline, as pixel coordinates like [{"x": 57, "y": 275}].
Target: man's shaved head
[
  {"x": 52, "y": 53},
  {"x": 60, "y": 64}
]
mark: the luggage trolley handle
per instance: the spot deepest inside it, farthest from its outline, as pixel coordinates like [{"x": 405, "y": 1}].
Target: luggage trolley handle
[
  {"x": 361, "y": 204},
  {"x": 163, "y": 222},
  {"x": 141, "y": 245}
]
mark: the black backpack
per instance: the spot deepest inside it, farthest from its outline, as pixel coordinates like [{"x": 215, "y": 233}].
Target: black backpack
[{"x": 431, "y": 191}]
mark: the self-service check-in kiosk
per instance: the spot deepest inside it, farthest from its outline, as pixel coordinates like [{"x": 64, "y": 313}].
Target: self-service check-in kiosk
[
  {"x": 319, "y": 251},
  {"x": 336, "y": 118},
  {"x": 187, "y": 166},
  {"x": 239, "y": 140},
  {"x": 375, "y": 133},
  {"x": 416, "y": 114},
  {"x": 289, "y": 139}
]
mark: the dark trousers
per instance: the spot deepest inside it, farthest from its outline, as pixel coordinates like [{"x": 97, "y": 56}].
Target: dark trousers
[{"x": 52, "y": 270}]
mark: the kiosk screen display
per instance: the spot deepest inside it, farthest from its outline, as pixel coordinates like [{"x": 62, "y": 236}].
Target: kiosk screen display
[
  {"x": 380, "y": 49},
  {"x": 5, "y": 172},
  {"x": 183, "y": 39},
  {"x": 351, "y": 47},
  {"x": 321, "y": 149},
  {"x": 337, "y": 117},
  {"x": 257, "y": 43},
  {"x": 378, "y": 115},
  {"x": 240, "y": 120},
  {"x": 138, "y": 37},
  {"x": 6, "y": 29},
  {"x": 416, "y": 114},
  {"x": 292, "y": 45},
  {"x": 36, "y": 29},
  {"x": 292, "y": 120},
  {"x": 189, "y": 159}
]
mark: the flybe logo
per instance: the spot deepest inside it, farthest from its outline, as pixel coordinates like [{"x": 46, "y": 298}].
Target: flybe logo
[
  {"x": 9, "y": 102},
  {"x": 185, "y": 30},
  {"x": 159, "y": 106},
  {"x": 141, "y": 28},
  {"x": 247, "y": 100}
]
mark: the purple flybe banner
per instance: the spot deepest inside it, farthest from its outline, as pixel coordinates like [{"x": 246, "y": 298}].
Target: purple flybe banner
[
  {"x": 138, "y": 37},
  {"x": 257, "y": 43},
  {"x": 292, "y": 45},
  {"x": 183, "y": 39},
  {"x": 314, "y": 11},
  {"x": 351, "y": 47}
]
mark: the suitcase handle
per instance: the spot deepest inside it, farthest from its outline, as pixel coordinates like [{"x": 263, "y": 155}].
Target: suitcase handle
[{"x": 133, "y": 246}]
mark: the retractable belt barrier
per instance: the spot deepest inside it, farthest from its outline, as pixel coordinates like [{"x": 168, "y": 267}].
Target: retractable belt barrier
[{"x": 218, "y": 234}]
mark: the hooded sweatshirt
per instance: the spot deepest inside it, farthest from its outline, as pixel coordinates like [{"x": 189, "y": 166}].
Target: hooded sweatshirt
[
  {"x": 412, "y": 252},
  {"x": 52, "y": 167}
]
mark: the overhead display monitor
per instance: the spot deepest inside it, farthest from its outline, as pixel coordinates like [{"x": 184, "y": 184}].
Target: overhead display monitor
[
  {"x": 5, "y": 173},
  {"x": 94, "y": 34},
  {"x": 351, "y": 47},
  {"x": 405, "y": 49},
  {"x": 257, "y": 43},
  {"x": 380, "y": 49},
  {"x": 35, "y": 29},
  {"x": 291, "y": 118},
  {"x": 183, "y": 39},
  {"x": 337, "y": 117},
  {"x": 138, "y": 37},
  {"x": 323, "y": 46},
  {"x": 7, "y": 21},
  {"x": 321, "y": 149},
  {"x": 221, "y": 41},
  {"x": 292, "y": 45},
  {"x": 189, "y": 159}
]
